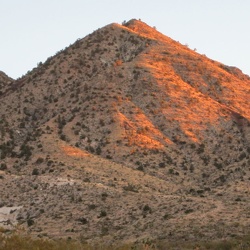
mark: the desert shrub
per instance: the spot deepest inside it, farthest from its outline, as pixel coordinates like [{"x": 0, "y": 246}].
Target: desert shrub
[
  {"x": 131, "y": 188},
  {"x": 82, "y": 220},
  {"x": 191, "y": 169},
  {"x": 242, "y": 156},
  {"x": 218, "y": 165},
  {"x": 90, "y": 149},
  {"x": 222, "y": 178},
  {"x": 98, "y": 150},
  {"x": 61, "y": 122},
  {"x": 171, "y": 171},
  {"x": 104, "y": 195},
  {"x": 201, "y": 149},
  {"x": 162, "y": 164},
  {"x": 30, "y": 222},
  {"x": 63, "y": 137},
  {"x": 146, "y": 208},
  {"x": 101, "y": 122},
  {"x": 39, "y": 160},
  {"x": 50, "y": 162},
  {"x": 188, "y": 211},
  {"x": 35, "y": 171},
  {"x": 166, "y": 216},
  {"x": 91, "y": 206},
  {"x": 3, "y": 166},
  {"x": 25, "y": 151},
  {"x": 140, "y": 168},
  {"x": 103, "y": 213},
  {"x": 5, "y": 149},
  {"x": 120, "y": 75}
]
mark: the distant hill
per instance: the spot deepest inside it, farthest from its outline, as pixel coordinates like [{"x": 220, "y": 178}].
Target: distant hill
[{"x": 125, "y": 135}]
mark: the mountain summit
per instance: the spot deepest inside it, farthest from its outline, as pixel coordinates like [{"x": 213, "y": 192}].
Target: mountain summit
[{"x": 124, "y": 135}]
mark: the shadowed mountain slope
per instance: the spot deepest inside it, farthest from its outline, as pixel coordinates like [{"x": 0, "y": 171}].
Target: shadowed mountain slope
[{"x": 135, "y": 133}]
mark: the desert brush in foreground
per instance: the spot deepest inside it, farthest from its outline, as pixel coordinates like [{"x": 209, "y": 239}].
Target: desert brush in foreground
[{"x": 15, "y": 242}]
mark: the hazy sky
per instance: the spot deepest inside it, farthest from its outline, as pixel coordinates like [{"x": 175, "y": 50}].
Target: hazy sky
[{"x": 33, "y": 30}]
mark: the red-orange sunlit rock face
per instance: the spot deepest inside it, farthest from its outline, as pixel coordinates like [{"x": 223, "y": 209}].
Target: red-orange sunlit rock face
[
  {"x": 74, "y": 152},
  {"x": 186, "y": 97},
  {"x": 139, "y": 131}
]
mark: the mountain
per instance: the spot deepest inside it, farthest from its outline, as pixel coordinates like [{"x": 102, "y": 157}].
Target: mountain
[{"x": 126, "y": 135}]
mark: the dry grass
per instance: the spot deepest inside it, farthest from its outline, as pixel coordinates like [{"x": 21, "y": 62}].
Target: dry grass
[{"x": 15, "y": 242}]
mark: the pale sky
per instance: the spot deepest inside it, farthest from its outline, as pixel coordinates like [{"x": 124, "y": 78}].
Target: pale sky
[{"x": 33, "y": 30}]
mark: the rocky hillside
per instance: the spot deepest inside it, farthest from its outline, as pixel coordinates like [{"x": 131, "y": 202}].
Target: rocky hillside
[
  {"x": 4, "y": 81},
  {"x": 124, "y": 135}
]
